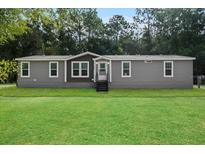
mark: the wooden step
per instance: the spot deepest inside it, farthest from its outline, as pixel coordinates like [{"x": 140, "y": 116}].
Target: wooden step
[{"x": 102, "y": 86}]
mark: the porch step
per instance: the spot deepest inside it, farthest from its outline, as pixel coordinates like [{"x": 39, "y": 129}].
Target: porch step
[{"x": 102, "y": 86}]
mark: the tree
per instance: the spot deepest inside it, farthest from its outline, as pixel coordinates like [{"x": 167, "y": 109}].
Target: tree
[
  {"x": 8, "y": 70},
  {"x": 93, "y": 24},
  {"x": 146, "y": 42},
  {"x": 145, "y": 18},
  {"x": 130, "y": 46},
  {"x": 37, "y": 40},
  {"x": 42, "y": 25},
  {"x": 12, "y": 24},
  {"x": 181, "y": 31},
  {"x": 72, "y": 31},
  {"x": 117, "y": 27}
]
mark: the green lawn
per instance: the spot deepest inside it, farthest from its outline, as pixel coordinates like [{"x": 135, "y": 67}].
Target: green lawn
[
  {"x": 11, "y": 90},
  {"x": 82, "y": 116}
]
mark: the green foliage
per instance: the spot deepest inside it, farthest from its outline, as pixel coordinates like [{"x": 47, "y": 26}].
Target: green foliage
[
  {"x": 8, "y": 69},
  {"x": 72, "y": 31},
  {"x": 117, "y": 27},
  {"x": 11, "y": 24}
]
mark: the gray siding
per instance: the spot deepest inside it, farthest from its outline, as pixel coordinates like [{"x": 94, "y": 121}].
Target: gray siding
[
  {"x": 143, "y": 75},
  {"x": 39, "y": 71},
  {"x": 150, "y": 75},
  {"x": 80, "y": 84}
]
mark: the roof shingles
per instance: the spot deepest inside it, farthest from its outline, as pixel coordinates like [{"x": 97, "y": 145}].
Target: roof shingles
[
  {"x": 43, "y": 57},
  {"x": 112, "y": 57},
  {"x": 149, "y": 57}
]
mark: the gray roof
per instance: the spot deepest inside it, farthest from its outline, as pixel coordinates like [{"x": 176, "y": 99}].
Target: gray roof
[
  {"x": 148, "y": 57},
  {"x": 112, "y": 57},
  {"x": 44, "y": 58}
]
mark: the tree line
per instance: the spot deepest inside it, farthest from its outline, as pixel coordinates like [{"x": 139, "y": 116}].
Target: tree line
[{"x": 25, "y": 32}]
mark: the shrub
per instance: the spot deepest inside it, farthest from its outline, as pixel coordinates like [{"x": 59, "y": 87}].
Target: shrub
[{"x": 8, "y": 71}]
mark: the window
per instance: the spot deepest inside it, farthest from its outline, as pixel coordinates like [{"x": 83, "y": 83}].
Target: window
[
  {"x": 76, "y": 69},
  {"x": 25, "y": 69},
  {"x": 168, "y": 68},
  {"x": 80, "y": 69},
  {"x": 53, "y": 69},
  {"x": 84, "y": 69},
  {"x": 126, "y": 68},
  {"x": 102, "y": 69}
]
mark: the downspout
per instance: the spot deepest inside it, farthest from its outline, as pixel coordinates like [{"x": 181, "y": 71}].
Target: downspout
[
  {"x": 65, "y": 71},
  {"x": 94, "y": 72},
  {"x": 110, "y": 71}
]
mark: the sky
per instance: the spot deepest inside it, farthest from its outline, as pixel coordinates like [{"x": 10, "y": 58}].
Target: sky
[{"x": 106, "y": 14}]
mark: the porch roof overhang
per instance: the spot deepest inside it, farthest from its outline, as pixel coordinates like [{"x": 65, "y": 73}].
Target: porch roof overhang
[
  {"x": 101, "y": 57},
  {"x": 82, "y": 54}
]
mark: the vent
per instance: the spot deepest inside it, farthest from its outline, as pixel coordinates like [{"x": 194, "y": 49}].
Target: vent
[{"x": 148, "y": 61}]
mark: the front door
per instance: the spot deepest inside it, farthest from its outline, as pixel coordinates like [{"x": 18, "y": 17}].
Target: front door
[{"x": 102, "y": 71}]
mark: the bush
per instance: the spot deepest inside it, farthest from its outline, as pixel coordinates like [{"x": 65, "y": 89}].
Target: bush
[{"x": 8, "y": 71}]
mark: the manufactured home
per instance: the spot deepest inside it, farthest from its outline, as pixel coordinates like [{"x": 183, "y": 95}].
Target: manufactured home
[{"x": 106, "y": 71}]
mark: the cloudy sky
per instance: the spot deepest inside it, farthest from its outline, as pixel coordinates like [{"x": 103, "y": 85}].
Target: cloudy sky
[{"x": 106, "y": 14}]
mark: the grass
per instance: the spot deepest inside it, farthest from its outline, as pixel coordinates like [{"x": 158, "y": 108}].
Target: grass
[
  {"x": 7, "y": 85},
  {"x": 82, "y": 116},
  {"x": 13, "y": 91}
]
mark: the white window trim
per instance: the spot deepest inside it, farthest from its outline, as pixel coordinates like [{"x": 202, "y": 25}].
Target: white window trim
[
  {"x": 80, "y": 70},
  {"x": 25, "y": 76},
  {"x": 172, "y": 75},
  {"x": 126, "y": 76},
  {"x": 106, "y": 64},
  {"x": 51, "y": 76}
]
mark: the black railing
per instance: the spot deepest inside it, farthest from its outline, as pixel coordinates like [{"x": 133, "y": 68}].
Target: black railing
[
  {"x": 101, "y": 85},
  {"x": 96, "y": 76}
]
